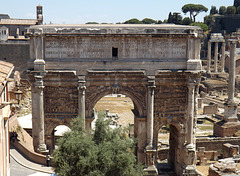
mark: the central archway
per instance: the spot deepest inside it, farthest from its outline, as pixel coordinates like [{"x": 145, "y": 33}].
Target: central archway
[
  {"x": 93, "y": 98},
  {"x": 137, "y": 95}
]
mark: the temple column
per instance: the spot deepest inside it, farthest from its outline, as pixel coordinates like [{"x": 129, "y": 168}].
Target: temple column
[
  {"x": 190, "y": 155},
  {"x": 190, "y": 112},
  {"x": 150, "y": 150},
  {"x": 39, "y": 114},
  {"x": 216, "y": 57},
  {"x": 150, "y": 112},
  {"x": 230, "y": 114},
  {"x": 223, "y": 57},
  {"x": 231, "y": 84},
  {"x": 209, "y": 57},
  {"x": 81, "y": 98}
]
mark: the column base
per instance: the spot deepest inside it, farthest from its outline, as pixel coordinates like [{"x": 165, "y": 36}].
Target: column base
[
  {"x": 42, "y": 148},
  {"x": 190, "y": 170},
  {"x": 190, "y": 155},
  {"x": 150, "y": 171},
  {"x": 230, "y": 112}
]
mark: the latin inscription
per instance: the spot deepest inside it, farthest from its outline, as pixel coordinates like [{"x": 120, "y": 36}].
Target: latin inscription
[{"x": 127, "y": 48}]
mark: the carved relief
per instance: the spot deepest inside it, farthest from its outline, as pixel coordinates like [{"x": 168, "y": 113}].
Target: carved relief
[
  {"x": 60, "y": 101},
  {"x": 170, "y": 101}
]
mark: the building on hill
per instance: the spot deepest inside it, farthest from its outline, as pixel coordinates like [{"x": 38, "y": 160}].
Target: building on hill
[
  {"x": 5, "y": 111},
  {"x": 14, "y": 46},
  {"x": 14, "y": 29}
]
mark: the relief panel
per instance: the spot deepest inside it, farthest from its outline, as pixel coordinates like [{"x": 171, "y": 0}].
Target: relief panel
[
  {"x": 170, "y": 101},
  {"x": 60, "y": 102}
]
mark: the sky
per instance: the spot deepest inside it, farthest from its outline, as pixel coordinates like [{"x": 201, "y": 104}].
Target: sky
[{"x": 109, "y": 11}]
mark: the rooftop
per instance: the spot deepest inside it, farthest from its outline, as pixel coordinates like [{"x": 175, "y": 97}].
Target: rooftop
[
  {"x": 116, "y": 29},
  {"x": 18, "y": 22}
]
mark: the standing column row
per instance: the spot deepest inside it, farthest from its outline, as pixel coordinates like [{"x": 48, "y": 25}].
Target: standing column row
[{"x": 216, "y": 57}]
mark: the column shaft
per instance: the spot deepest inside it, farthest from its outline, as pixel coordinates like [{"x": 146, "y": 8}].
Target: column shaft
[
  {"x": 223, "y": 57},
  {"x": 232, "y": 68},
  {"x": 216, "y": 57},
  {"x": 150, "y": 114},
  {"x": 190, "y": 115},
  {"x": 209, "y": 58},
  {"x": 39, "y": 113},
  {"x": 81, "y": 100}
]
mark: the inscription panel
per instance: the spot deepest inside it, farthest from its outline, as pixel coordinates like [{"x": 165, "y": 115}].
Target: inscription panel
[
  {"x": 60, "y": 101},
  {"x": 100, "y": 47}
]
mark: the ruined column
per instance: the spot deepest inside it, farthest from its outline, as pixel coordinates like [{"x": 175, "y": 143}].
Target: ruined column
[
  {"x": 190, "y": 154},
  {"x": 150, "y": 150},
  {"x": 150, "y": 112},
  {"x": 190, "y": 112},
  {"x": 81, "y": 98},
  {"x": 223, "y": 57},
  {"x": 209, "y": 57},
  {"x": 215, "y": 57},
  {"x": 231, "y": 84},
  {"x": 39, "y": 114},
  {"x": 230, "y": 113}
]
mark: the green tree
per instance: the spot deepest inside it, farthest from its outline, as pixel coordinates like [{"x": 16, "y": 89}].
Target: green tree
[
  {"x": 175, "y": 18},
  {"x": 149, "y": 21},
  {"x": 133, "y": 21},
  {"x": 236, "y": 3},
  {"x": 186, "y": 21},
  {"x": 222, "y": 10},
  {"x": 105, "y": 152},
  {"x": 92, "y": 23},
  {"x": 194, "y": 10},
  {"x": 200, "y": 24},
  {"x": 238, "y": 10},
  {"x": 159, "y": 22},
  {"x": 209, "y": 20},
  {"x": 170, "y": 18},
  {"x": 213, "y": 10},
  {"x": 231, "y": 10}
]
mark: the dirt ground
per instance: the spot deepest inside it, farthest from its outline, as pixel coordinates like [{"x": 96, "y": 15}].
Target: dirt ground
[{"x": 120, "y": 105}]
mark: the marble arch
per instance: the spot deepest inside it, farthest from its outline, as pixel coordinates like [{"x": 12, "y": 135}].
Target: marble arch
[{"x": 158, "y": 66}]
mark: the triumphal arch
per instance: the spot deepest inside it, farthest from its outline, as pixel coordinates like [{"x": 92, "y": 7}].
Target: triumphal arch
[{"x": 71, "y": 67}]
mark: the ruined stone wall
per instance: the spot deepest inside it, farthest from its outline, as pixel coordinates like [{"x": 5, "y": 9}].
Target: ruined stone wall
[
  {"x": 216, "y": 144},
  {"x": 18, "y": 54}
]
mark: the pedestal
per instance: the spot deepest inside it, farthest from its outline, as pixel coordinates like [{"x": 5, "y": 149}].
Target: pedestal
[
  {"x": 151, "y": 169},
  {"x": 230, "y": 112}
]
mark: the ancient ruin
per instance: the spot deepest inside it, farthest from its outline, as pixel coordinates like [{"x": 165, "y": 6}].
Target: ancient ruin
[
  {"x": 216, "y": 38},
  {"x": 71, "y": 67}
]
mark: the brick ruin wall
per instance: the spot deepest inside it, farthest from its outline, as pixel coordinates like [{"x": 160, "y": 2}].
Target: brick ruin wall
[
  {"x": 18, "y": 54},
  {"x": 216, "y": 144}
]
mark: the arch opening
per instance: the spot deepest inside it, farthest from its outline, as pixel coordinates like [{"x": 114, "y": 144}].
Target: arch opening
[
  {"x": 58, "y": 132},
  {"x": 117, "y": 107}
]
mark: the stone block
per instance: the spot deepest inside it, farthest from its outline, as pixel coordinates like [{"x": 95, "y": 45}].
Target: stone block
[
  {"x": 210, "y": 109},
  {"x": 230, "y": 150}
]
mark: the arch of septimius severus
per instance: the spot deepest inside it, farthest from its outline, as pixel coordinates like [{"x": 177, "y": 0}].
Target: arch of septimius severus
[{"x": 71, "y": 67}]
